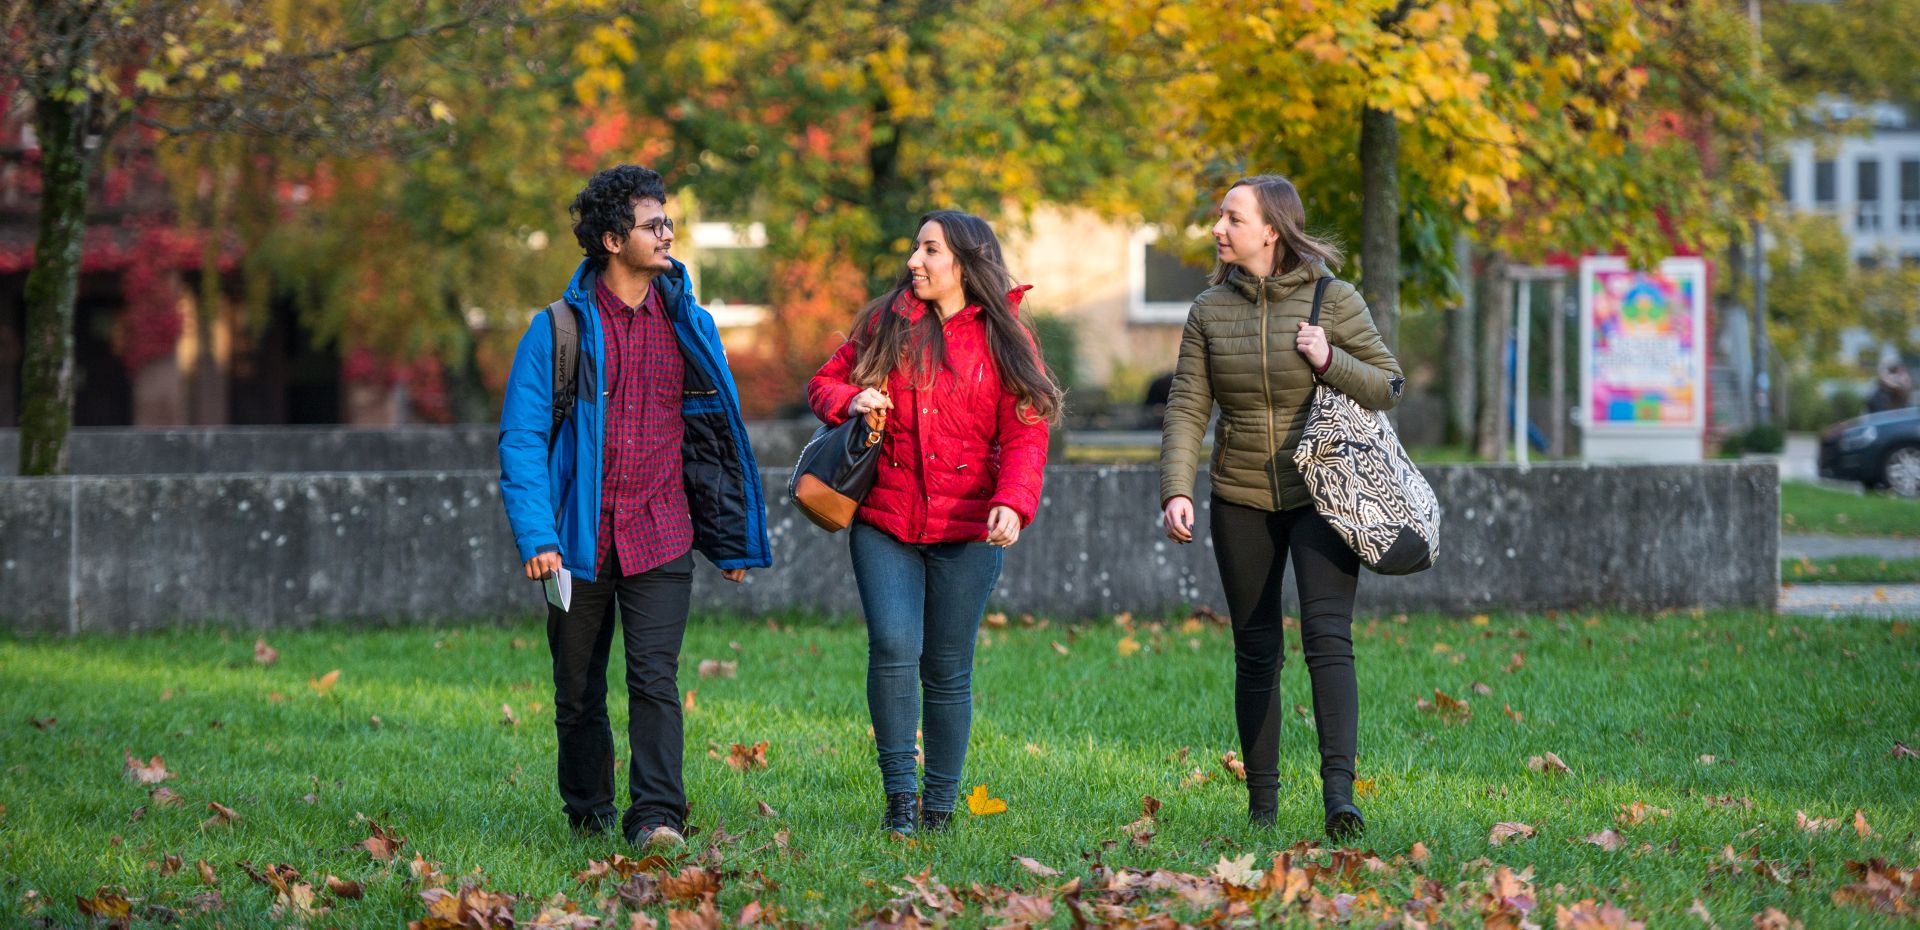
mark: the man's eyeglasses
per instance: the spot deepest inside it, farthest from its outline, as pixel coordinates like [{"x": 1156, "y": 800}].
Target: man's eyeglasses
[{"x": 657, "y": 227}]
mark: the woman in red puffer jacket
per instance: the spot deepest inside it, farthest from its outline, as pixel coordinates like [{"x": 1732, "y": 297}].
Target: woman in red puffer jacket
[{"x": 969, "y": 400}]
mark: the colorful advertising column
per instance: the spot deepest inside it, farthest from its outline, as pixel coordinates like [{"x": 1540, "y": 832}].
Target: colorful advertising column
[{"x": 1643, "y": 360}]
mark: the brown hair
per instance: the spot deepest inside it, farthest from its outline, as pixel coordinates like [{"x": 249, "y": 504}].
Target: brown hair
[
  {"x": 1280, "y": 208},
  {"x": 885, "y": 340}
]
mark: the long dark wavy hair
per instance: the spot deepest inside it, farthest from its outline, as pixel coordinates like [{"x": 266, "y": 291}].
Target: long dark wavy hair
[{"x": 885, "y": 340}]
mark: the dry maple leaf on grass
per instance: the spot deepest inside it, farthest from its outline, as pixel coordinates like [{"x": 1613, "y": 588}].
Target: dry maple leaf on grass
[
  {"x": 715, "y": 668},
  {"x": 1548, "y": 764},
  {"x": 147, "y": 773},
  {"x": 383, "y": 843},
  {"x": 1506, "y": 830}
]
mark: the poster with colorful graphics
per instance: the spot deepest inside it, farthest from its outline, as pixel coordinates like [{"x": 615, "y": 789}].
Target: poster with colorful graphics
[{"x": 1643, "y": 346}]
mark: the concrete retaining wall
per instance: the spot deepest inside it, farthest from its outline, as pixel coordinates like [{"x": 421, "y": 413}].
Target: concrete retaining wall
[
  {"x": 232, "y": 449},
  {"x": 114, "y": 554}
]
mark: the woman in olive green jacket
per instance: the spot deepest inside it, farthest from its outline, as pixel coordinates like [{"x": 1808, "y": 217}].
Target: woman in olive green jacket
[{"x": 1248, "y": 348}]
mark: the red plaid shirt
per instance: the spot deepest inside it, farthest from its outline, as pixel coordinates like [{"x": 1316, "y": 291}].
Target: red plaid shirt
[{"x": 644, "y": 522}]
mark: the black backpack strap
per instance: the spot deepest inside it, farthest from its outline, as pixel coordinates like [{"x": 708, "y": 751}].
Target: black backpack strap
[
  {"x": 566, "y": 362},
  {"x": 1319, "y": 293}
]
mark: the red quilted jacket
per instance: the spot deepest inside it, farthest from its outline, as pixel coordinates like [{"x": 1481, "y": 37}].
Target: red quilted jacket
[{"x": 951, "y": 451}]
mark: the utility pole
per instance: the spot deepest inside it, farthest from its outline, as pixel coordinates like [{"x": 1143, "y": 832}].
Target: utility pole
[{"x": 1762, "y": 381}]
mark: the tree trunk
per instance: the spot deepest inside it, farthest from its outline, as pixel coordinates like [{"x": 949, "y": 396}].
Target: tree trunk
[
  {"x": 466, "y": 390},
  {"x": 1496, "y": 315},
  {"x": 46, "y": 381},
  {"x": 1462, "y": 373},
  {"x": 1380, "y": 221}
]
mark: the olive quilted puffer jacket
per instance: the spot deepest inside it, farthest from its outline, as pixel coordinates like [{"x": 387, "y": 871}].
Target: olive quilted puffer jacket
[{"x": 1238, "y": 351}]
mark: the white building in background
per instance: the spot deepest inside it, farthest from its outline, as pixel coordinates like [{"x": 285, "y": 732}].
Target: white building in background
[{"x": 1870, "y": 183}]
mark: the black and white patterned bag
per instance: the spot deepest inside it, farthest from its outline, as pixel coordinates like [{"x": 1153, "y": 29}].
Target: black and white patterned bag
[{"x": 1362, "y": 481}]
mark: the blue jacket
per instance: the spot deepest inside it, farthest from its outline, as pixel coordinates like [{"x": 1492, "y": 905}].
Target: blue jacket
[{"x": 552, "y": 490}]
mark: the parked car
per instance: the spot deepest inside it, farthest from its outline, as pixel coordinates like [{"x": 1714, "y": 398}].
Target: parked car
[{"x": 1879, "y": 450}]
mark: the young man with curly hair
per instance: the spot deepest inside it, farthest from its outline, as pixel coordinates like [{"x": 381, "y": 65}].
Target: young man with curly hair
[{"x": 651, "y": 463}]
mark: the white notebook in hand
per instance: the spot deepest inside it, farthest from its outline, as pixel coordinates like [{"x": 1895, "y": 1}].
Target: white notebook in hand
[{"x": 559, "y": 585}]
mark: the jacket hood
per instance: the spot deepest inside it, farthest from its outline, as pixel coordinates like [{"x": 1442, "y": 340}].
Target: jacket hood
[{"x": 1276, "y": 286}]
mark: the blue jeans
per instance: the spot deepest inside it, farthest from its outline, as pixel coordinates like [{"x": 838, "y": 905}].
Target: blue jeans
[{"x": 923, "y": 605}]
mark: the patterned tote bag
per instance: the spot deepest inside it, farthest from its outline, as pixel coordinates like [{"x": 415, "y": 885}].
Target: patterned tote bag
[{"x": 1362, "y": 481}]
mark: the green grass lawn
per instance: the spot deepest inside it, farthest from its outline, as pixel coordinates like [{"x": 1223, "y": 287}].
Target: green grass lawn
[
  {"x": 1810, "y": 508},
  {"x": 1852, "y": 568},
  {"x": 1727, "y": 726}
]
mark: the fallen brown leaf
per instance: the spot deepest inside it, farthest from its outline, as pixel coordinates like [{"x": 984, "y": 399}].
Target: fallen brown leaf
[
  {"x": 1591, "y": 915},
  {"x": 470, "y": 908},
  {"x": 1902, "y": 751},
  {"x": 997, "y": 620},
  {"x": 341, "y": 888},
  {"x": 147, "y": 773},
  {"x": 1036, "y": 867},
  {"x": 170, "y": 864},
  {"x": 43, "y": 724},
  {"x": 1059, "y": 648},
  {"x": 323, "y": 685},
  {"x": 1483, "y": 689},
  {"x": 1639, "y": 812},
  {"x": 1518, "y": 661},
  {"x": 1813, "y": 824},
  {"x": 693, "y": 883},
  {"x": 383, "y": 843},
  {"x": 164, "y": 796},
  {"x": 1860, "y": 823},
  {"x": 687, "y": 702},
  {"x": 1608, "y": 839},
  {"x": 1449, "y": 708},
  {"x": 715, "y": 668},
  {"x": 765, "y": 810},
  {"x": 1024, "y": 911},
  {"x": 106, "y": 905},
  {"x": 1231, "y": 762},
  {"x": 1728, "y": 800},
  {"x": 1773, "y": 919},
  {"x": 744, "y": 758},
  {"x": 265, "y": 654},
  {"x": 1506, "y": 830},
  {"x": 223, "y": 816},
  {"x": 206, "y": 873},
  {"x": 1548, "y": 764},
  {"x": 1419, "y": 853},
  {"x": 507, "y": 719}
]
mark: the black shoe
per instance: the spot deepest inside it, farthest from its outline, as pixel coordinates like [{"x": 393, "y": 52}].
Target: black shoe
[
  {"x": 934, "y": 821},
  {"x": 902, "y": 813},
  {"x": 1344, "y": 822},
  {"x": 1263, "y": 806},
  {"x": 594, "y": 826}
]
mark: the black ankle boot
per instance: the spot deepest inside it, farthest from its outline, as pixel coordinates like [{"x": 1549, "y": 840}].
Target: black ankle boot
[
  {"x": 1263, "y": 806},
  {"x": 902, "y": 813},
  {"x": 1344, "y": 821},
  {"x": 934, "y": 821}
]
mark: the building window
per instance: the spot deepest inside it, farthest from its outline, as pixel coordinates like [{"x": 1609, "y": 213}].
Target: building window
[
  {"x": 1910, "y": 195},
  {"x": 1162, "y": 287},
  {"x": 1867, "y": 262},
  {"x": 1823, "y": 185},
  {"x": 730, "y": 272},
  {"x": 1866, "y": 186},
  {"x": 1783, "y": 176}
]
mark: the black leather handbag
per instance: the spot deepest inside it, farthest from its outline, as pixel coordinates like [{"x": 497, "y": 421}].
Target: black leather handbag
[{"x": 837, "y": 469}]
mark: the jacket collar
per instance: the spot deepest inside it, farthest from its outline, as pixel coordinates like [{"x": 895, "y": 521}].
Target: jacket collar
[
  {"x": 1277, "y": 286},
  {"x": 913, "y": 308},
  {"x": 673, "y": 284}
]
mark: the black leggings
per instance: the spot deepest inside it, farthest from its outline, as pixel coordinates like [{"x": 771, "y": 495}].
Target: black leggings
[{"x": 1252, "y": 547}]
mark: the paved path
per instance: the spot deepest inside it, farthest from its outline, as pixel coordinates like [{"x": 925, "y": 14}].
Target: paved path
[
  {"x": 1821, "y": 546},
  {"x": 1885, "y": 601}
]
